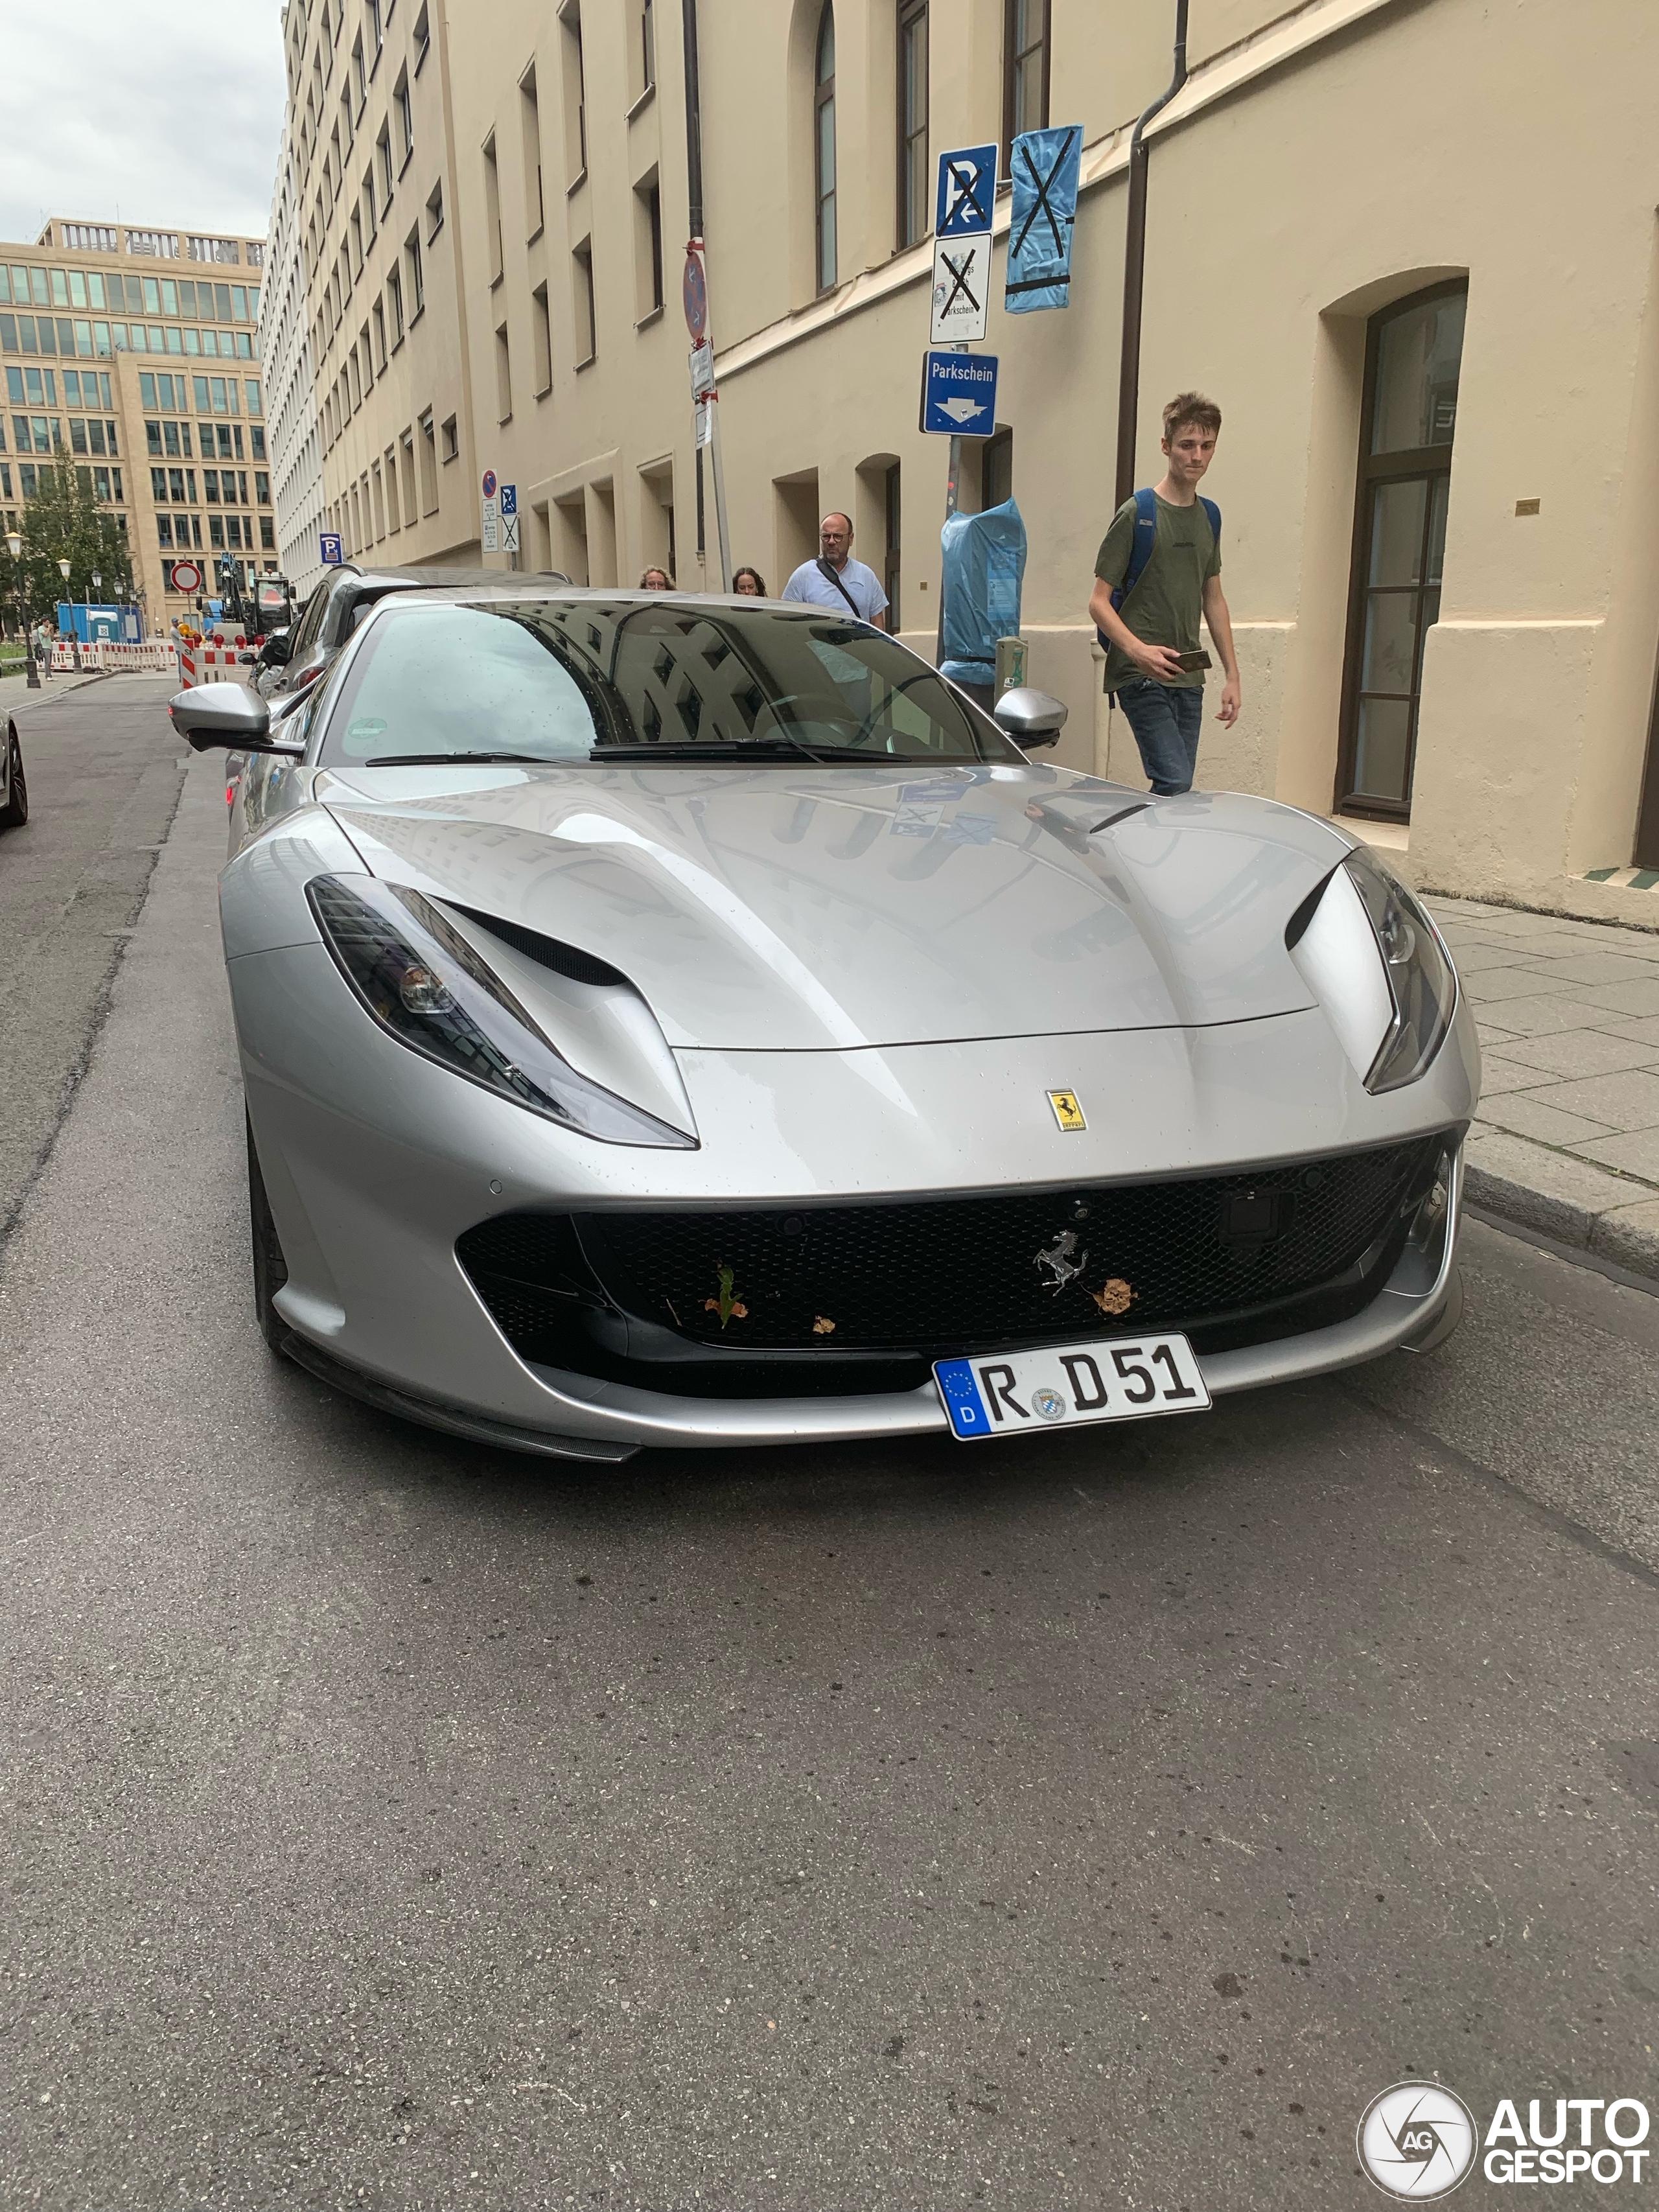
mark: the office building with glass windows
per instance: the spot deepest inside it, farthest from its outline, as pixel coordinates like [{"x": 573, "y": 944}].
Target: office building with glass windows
[{"x": 132, "y": 356}]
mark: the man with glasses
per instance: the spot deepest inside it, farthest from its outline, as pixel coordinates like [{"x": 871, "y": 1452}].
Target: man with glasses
[{"x": 835, "y": 579}]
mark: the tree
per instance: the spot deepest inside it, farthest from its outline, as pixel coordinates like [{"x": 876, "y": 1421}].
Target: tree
[{"x": 66, "y": 517}]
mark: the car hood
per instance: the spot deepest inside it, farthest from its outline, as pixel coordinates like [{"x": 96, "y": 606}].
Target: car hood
[{"x": 828, "y": 909}]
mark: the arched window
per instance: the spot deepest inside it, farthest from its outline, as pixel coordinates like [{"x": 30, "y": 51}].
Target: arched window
[
  {"x": 1409, "y": 414},
  {"x": 824, "y": 131}
]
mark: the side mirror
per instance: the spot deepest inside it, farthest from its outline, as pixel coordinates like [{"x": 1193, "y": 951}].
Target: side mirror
[
  {"x": 225, "y": 715},
  {"x": 277, "y": 652},
  {"x": 1030, "y": 717}
]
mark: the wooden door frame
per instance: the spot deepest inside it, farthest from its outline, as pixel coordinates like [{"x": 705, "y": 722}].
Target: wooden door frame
[{"x": 1423, "y": 460}]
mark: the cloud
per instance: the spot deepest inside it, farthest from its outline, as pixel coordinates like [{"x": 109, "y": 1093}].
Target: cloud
[{"x": 152, "y": 110}]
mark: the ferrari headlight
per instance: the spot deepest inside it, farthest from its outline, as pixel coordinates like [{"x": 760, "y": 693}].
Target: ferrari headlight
[
  {"x": 422, "y": 982},
  {"x": 1376, "y": 963}
]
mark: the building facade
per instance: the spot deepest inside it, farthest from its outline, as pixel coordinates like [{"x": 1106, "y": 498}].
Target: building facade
[
  {"x": 1438, "y": 354},
  {"x": 294, "y": 432},
  {"x": 131, "y": 355},
  {"x": 372, "y": 146}
]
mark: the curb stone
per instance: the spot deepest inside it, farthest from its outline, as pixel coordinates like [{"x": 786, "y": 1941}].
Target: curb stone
[{"x": 1627, "y": 1234}]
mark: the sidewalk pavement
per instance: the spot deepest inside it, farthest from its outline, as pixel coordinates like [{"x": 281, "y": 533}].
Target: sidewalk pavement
[
  {"x": 15, "y": 692},
  {"x": 1566, "y": 1140}
]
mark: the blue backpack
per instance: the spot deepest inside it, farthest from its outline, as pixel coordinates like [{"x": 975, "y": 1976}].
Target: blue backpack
[{"x": 1146, "y": 537}]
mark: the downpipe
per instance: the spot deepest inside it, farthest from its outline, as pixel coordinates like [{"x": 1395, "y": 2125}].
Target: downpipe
[{"x": 1134, "y": 266}]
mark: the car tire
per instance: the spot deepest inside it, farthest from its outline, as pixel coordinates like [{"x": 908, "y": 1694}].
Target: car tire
[
  {"x": 15, "y": 811},
  {"x": 270, "y": 1267}
]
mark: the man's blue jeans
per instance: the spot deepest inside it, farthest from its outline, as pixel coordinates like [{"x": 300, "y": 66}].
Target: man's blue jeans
[{"x": 1166, "y": 722}]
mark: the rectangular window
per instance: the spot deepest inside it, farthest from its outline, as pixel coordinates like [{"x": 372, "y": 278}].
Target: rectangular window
[
  {"x": 451, "y": 440},
  {"x": 492, "y": 184},
  {"x": 423, "y": 39},
  {"x": 377, "y": 317},
  {"x": 915, "y": 181},
  {"x": 170, "y": 436},
  {"x": 542, "y": 337},
  {"x": 503, "y": 376},
  {"x": 267, "y": 534},
  {"x": 394, "y": 296},
  {"x": 435, "y": 211},
  {"x": 77, "y": 435},
  {"x": 217, "y": 531},
  {"x": 1025, "y": 55},
  {"x": 152, "y": 437},
  {"x": 531, "y": 117},
  {"x": 575, "y": 91},
  {"x": 95, "y": 437},
  {"x": 587, "y": 328},
  {"x": 176, "y": 486},
  {"x": 28, "y": 477},
  {"x": 405, "y": 109},
  {"x": 417, "y": 273},
  {"x": 383, "y": 151},
  {"x": 210, "y": 486},
  {"x": 647, "y": 247},
  {"x": 201, "y": 384},
  {"x": 158, "y": 485},
  {"x": 256, "y": 436},
  {"x": 429, "y": 464},
  {"x": 164, "y": 530},
  {"x": 234, "y": 531}
]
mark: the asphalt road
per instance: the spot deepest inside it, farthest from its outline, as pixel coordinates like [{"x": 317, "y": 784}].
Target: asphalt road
[{"x": 1096, "y": 1822}]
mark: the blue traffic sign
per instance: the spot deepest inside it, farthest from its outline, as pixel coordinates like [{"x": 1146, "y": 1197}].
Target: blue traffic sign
[
  {"x": 966, "y": 191},
  {"x": 328, "y": 549},
  {"x": 509, "y": 500},
  {"x": 959, "y": 394}
]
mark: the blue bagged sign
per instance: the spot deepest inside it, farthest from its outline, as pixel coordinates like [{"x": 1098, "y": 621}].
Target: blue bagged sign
[
  {"x": 1045, "y": 167},
  {"x": 984, "y": 565}
]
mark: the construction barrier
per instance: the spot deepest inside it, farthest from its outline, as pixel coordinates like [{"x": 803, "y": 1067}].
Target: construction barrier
[
  {"x": 211, "y": 664},
  {"x": 112, "y": 656}
]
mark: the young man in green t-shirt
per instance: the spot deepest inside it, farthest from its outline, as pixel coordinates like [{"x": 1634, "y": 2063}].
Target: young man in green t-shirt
[{"x": 1158, "y": 620}]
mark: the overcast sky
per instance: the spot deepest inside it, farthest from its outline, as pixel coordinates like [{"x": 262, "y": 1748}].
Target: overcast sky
[{"x": 149, "y": 112}]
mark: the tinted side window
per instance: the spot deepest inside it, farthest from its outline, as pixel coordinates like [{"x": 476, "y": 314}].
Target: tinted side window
[
  {"x": 337, "y": 627},
  {"x": 310, "y": 622}
]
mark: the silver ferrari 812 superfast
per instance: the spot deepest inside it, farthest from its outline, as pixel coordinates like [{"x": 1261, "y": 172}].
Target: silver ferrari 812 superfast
[{"x": 689, "y": 1021}]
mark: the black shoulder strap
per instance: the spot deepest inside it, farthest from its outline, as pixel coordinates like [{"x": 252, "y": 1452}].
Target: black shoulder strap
[{"x": 830, "y": 575}]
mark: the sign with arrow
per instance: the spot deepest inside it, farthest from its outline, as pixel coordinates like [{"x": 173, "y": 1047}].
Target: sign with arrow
[
  {"x": 962, "y": 290},
  {"x": 967, "y": 192},
  {"x": 959, "y": 394}
]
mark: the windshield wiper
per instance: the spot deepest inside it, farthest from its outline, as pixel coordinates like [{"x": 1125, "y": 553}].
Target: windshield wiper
[
  {"x": 723, "y": 748},
  {"x": 441, "y": 760}
]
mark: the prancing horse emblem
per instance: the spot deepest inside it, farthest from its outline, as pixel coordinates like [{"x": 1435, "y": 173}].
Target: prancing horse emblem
[
  {"x": 1067, "y": 1111},
  {"x": 1056, "y": 1264}
]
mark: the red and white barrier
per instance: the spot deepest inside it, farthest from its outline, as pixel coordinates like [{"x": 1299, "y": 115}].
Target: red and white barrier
[{"x": 210, "y": 664}]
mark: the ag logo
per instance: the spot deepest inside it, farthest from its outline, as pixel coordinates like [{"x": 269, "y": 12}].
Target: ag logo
[{"x": 1416, "y": 2141}]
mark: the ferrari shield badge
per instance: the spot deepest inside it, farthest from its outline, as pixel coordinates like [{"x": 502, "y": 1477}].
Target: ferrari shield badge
[{"x": 1067, "y": 1112}]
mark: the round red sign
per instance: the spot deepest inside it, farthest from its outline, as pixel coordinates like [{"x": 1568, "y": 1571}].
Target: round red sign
[{"x": 187, "y": 576}]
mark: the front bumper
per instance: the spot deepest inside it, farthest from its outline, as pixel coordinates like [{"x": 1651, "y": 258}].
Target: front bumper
[{"x": 376, "y": 1162}]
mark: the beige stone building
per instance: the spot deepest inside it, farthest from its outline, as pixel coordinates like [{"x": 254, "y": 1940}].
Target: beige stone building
[
  {"x": 1411, "y": 249},
  {"x": 136, "y": 350}
]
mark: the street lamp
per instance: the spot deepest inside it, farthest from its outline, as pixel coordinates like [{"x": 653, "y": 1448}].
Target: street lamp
[
  {"x": 74, "y": 635},
  {"x": 15, "y": 547}
]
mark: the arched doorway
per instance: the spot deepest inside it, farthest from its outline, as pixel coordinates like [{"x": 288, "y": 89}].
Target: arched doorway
[{"x": 1414, "y": 353}]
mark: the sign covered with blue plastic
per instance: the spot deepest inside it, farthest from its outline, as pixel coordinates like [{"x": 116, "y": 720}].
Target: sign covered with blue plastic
[
  {"x": 984, "y": 564},
  {"x": 1045, "y": 165}
]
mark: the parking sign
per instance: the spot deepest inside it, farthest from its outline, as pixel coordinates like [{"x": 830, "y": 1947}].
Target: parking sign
[{"x": 966, "y": 191}]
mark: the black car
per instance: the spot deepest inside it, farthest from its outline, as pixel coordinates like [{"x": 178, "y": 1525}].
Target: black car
[{"x": 292, "y": 660}]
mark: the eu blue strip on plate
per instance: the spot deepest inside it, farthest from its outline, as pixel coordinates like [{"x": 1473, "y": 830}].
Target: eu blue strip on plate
[{"x": 961, "y": 1395}]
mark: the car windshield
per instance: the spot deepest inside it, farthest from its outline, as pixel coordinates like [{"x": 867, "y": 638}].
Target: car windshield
[{"x": 589, "y": 681}]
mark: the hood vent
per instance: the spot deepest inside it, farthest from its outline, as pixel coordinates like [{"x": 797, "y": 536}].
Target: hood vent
[{"x": 565, "y": 959}]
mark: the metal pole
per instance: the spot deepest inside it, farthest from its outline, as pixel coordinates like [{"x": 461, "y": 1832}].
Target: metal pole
[
  {"x": 693, "y": 218},
  {"x": 1134, "y": 265},
  {"x": 952, "y": 496}
]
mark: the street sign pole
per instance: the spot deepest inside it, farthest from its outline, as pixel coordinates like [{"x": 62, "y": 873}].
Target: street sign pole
[{"x": 964, "y": 197}]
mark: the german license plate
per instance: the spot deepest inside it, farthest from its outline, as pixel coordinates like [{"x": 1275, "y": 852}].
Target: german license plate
[{"x": 1119, "y": 1379}]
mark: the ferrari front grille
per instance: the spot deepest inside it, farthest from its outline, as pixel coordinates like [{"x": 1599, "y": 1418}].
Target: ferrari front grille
[{"x": 1232, "y": 1258}]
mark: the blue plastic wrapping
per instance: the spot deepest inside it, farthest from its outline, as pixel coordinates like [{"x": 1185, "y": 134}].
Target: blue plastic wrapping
[{"x": 984, "y": 565}]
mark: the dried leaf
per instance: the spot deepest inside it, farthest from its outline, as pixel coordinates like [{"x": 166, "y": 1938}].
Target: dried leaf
[
  {"x": 1116, "y": 1298},
  {"x": 823, "y": 1328}
]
